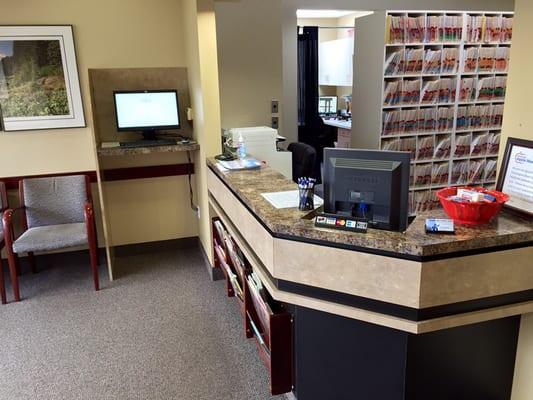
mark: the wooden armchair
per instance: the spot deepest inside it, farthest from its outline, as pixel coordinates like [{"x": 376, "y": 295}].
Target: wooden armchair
[
  {"x": 3, "y": 206},
  {"x": 57, "y": 213}
]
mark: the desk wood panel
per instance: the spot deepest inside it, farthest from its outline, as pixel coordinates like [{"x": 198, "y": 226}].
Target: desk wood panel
[
  {"x": 256, "y": 235},
  {"x": 367, "y": 275},
  {"x": 475, "y": 277}
]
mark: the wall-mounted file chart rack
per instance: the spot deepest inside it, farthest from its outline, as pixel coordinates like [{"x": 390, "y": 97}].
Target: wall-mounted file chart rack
[{"x": 433, "y": 83}]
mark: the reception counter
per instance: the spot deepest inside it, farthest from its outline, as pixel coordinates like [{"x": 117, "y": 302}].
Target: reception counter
[{"x": 384, "y": 315}]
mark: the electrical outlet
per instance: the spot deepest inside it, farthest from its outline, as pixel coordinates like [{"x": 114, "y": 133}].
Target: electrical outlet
[
  {"x": 274, "y": 107},
  {"x": 275, "y": 122}
]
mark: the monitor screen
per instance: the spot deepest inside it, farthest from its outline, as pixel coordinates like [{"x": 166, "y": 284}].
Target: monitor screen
[
  {"x": 327, "y": 105},
  {"x": 145, "y": 110}
]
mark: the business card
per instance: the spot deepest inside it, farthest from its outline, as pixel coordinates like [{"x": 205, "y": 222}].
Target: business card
[{"x": 439, "y": 225}]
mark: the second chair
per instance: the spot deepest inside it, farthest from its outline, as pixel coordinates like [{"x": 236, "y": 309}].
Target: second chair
[
  {"x": 57, "y": 213},
  {"x": 303, "y": 160}
]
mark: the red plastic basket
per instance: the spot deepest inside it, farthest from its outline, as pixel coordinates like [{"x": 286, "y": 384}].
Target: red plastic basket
[{"x": 471, "y": 213}]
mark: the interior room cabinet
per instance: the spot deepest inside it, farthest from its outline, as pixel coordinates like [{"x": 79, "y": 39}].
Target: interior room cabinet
[{"x": 335, "y": 62}]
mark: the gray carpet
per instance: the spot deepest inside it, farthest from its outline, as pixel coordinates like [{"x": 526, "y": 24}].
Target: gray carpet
[{"x": 161, "y": 331}]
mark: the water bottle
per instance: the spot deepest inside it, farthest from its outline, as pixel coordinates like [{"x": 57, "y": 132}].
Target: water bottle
[{"x": 241, "y": 148}]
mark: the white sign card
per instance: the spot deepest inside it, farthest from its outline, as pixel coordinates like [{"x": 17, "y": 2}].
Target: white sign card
[{"x": 516, "y": 175}]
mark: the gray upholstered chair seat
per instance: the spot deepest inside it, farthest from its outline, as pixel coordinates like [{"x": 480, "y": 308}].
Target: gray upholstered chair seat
[
  {"x": 51, "y": 237},
  {"x": 59, "y": 214}
]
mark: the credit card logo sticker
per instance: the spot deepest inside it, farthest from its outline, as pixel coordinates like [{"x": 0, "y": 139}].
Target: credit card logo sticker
[
  {"x": 331, "y": 221},
  {"x": 341, "y": 222},
  {"x": 320, "y": 220},
  {"x": 362, "y": 225},
  {"x": 350, "y": 224}
]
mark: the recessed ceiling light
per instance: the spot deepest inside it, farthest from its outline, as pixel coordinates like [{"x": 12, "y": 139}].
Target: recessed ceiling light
[{"x": 329, "y": 13}]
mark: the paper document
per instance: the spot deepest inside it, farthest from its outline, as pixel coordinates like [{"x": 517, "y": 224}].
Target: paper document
[
  {"x": 106, "y": 145},
  {"x": 237, "y": 165},
  {"x": 288, "y": 199}
]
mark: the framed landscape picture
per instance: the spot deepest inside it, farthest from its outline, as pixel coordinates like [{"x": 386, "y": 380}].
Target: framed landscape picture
[
  {"x": 39, "y": 82},
  {"x": 516, "y": 175}
]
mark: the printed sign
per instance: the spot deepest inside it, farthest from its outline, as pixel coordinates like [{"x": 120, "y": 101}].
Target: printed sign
[{"x": 516, "y": 175}]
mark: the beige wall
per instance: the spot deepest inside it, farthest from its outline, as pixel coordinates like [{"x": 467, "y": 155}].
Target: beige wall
[
  {"x": 324, "y": 35},
  {"x": 199, "y": 30},
  {"x": 148, "y": 209},
  {"x": 518, "y": 122},
  {"x": 249, "y": 43},
  {"x": 107, "y": 34}
]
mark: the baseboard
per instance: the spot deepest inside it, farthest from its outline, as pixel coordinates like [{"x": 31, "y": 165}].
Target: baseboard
[
  {"x": 215, "y": 274},
  {"x": 69, "y": 250},
  {"x": 162, "y": 245},
  {"x": 290, "y": 396}
]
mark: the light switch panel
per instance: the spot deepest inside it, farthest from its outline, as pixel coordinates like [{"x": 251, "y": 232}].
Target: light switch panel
[{"x": 274, "y": 106}]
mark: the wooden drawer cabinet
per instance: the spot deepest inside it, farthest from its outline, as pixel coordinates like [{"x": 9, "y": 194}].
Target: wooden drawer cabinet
[
  {"x": 265, "y": 320},
  {"x": 270, "y": 324}
]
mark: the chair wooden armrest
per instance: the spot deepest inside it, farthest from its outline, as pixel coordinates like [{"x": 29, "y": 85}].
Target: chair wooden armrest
[
  {"x": 88, "y": 211},
  {"x": 9, "y": 237},
  {"x": 7, "y": 221},
  {"x": 93, "y": 242},
  {"x": 89, "y": 220}
]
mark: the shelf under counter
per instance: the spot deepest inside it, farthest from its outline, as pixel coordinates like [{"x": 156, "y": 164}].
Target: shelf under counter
[
  {"x": 128, "y": 169},
  {"x": 133, "y": 151}
]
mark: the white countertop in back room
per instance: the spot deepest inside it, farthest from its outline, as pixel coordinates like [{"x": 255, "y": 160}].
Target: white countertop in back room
[{"x": 338, "y": 123}]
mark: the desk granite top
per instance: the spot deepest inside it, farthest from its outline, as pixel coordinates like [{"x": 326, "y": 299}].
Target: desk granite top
[
  {"x": 131, "y": 151},
  {"x": 505, "y": 230}
]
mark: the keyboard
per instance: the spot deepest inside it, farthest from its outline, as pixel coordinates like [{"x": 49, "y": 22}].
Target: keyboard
[{"x": 149, "y": 143}]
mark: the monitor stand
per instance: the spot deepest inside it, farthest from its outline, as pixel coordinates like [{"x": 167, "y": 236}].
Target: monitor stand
[{"x": 149, "y": 134}]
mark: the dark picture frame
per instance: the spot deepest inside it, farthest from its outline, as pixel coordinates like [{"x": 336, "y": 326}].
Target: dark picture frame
[{"x": 518, "y": 156}]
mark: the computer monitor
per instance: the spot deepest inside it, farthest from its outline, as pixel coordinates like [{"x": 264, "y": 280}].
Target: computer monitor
[
  {"x": 147, "y": 111},
  {"x": 327, "y": 105},
  {"x": 369, "y": 184}
]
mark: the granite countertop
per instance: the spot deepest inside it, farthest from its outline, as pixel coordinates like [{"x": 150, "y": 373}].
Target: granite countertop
[
  {"x": 123, "y": 151},
  {"x": 505, "y": 230}
]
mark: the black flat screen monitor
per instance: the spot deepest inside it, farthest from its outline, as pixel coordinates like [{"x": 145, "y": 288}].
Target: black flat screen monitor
[
  {"x": 147, "y": 111},
  {"x": 369, "y": 184}
]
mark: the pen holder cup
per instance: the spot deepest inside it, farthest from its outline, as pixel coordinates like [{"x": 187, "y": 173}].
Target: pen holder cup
[{"x": 307, "y": 199}]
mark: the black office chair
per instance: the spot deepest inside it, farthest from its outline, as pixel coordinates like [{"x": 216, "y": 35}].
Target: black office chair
[{"x": 303, "y": 160}]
